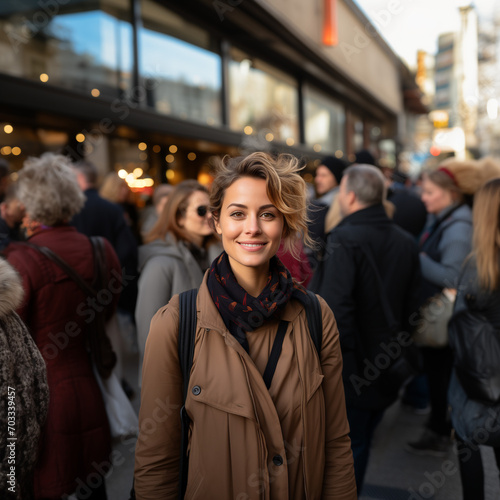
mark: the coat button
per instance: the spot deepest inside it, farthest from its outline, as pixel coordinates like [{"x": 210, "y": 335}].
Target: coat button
[
  {"x": 196, "y": 390},
  {"x": 278, "y": 460}
]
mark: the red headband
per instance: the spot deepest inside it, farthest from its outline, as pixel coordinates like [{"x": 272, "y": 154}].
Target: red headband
[{"x": 449, "y": 173}]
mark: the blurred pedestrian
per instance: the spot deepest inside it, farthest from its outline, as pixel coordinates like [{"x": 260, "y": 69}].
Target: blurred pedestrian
[
  {"x": 177, "y": 252},
  {"x": 76, "y": 440},
  {"x": 101, "y": 217},
  {"x": 151, "y": 213},
  {"x": 116, "y": 190},
  {"x": 24, "y": 393},
  {"x": 479, "y": 291},
  {"x": 369, "y": 277},
  {"x": 284, "y": 439},
  {"x": 4, "y": 178},
  {"x": 11, "y": 217},
  {"x": 444, "y": 246},
  {"x": 327, "y": 179}
]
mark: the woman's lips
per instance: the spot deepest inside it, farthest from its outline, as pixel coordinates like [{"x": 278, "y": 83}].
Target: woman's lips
[{"x": 251, "y": 246}]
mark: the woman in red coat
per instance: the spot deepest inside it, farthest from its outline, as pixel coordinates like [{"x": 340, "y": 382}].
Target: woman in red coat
[{"x": 76, "y": 443}]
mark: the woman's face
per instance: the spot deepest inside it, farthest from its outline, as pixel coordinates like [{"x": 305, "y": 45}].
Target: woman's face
[
  {"x": 435, "y": 198},
  {"x": 250, "y": 225},
  {"x": 195, "y": 220}
]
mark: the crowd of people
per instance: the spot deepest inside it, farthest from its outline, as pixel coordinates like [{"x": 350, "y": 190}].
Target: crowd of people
[{"x": 270, "y": 410}]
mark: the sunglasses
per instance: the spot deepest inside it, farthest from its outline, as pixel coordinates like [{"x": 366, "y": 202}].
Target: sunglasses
[{"x": 202, "y": 210}]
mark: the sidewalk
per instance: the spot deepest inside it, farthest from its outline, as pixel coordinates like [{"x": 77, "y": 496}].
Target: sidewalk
[{"x": 393, "y": 473}]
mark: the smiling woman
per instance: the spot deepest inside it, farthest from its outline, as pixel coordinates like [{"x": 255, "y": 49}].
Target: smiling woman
[{"x": 246, "y": 425}]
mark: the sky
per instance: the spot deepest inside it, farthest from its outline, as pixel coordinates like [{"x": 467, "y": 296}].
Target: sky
[{"x": 411, "y": 25}]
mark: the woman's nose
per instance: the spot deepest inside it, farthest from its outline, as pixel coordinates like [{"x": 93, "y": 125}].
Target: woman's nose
[{"x": 253, "y": 225}]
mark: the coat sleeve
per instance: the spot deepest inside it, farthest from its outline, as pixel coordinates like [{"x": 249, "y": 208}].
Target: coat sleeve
[
  {"x": 157, "y": 454},
  {"x": 454, "y": 247},
  {"x": 338, "y": 482},
  {"x": 155, "y": 290}
]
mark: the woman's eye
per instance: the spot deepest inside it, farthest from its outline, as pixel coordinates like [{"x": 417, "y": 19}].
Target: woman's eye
[
  {"x": 237, "y": 214},
  {"x": 267, "y": 215}
]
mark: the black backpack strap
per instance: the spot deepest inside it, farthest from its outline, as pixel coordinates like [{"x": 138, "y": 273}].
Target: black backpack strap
[
  {"x": 315, "y": 321},
  {"x": 187, "y": 331},
  {"x": 275, "y": 354}
]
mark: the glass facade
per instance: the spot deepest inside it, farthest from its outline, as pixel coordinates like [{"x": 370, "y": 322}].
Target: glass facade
[
  {"x": 177, "y": 64},
  {"x": 324, "y": 121},
  {"x": 85, "y": 45},
  {"x": 262, "y": 99},
  {"x": 88, "y": 47}
]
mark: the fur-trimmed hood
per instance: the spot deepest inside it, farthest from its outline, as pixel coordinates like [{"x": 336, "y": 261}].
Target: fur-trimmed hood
[{"x": 11, "y": 289}]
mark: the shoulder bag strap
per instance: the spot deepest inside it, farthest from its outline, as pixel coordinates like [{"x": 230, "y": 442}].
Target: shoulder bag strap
[
  {"x": 100, "y": 264},
  {"x": 187, "y": 333},
  {"x": 315, "y": 320},
  {"x": 64, "y": 266}
]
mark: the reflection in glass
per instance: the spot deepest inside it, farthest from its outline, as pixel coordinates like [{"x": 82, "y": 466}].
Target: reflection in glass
[
  {"x": 324, "y": 121},
  {"x": 262, "y": 98},
  {"x": 181, "y": 71},
  {"x": 82, "y": 45}
]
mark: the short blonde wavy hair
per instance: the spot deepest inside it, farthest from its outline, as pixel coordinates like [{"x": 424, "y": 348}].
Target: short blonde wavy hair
[
  {"x": 285, "y": 187},
  {"x": 48, "y": 188}
]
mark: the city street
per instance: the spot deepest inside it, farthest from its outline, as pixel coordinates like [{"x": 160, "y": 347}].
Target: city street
[{"x": 393, "y": 473}]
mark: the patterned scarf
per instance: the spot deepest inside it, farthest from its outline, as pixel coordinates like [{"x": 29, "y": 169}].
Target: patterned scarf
[{"x": 240, "y": 311}]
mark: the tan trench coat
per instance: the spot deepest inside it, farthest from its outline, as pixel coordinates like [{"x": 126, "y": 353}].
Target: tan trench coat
[{"x": 246, "y": 443}]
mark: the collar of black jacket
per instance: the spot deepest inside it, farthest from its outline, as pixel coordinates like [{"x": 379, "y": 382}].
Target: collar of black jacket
[{"x": 374, "y": 214}]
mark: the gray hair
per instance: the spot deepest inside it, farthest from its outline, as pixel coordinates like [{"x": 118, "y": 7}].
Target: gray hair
[
  {"x": 367, "y": 183},
  {"x": 48, "y": 188}
]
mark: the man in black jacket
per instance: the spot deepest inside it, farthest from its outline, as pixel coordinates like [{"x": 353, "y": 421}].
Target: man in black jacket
[{"x": 369, "y": 276}]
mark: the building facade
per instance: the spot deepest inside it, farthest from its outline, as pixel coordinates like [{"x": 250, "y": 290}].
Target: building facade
[{"x": 159, "y": 87}]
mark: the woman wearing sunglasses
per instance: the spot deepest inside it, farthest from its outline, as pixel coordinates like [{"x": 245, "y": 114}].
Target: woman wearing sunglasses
[
  {"x": 178, "y": 250},
  {"x": 252, "y": 436}
]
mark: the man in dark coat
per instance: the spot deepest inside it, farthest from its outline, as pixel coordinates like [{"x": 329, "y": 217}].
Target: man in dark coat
[
  {"x": 100, "y": 217},
  {"x": 369, "y": 261}
]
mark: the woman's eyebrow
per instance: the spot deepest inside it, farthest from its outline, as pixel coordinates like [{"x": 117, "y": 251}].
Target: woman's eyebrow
[{"x": 239, "y": 205}]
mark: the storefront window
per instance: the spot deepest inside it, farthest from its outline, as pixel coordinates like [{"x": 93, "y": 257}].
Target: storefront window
[
  {"x": 178, "y": 66},
  {"x": 324, "y": 122},
  {"x": 82, "y": 45},
  {"x": 262, "y": 99}
]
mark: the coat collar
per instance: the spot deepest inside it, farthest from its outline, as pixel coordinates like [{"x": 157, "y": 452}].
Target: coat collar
[{"x": 374, "y": 214}]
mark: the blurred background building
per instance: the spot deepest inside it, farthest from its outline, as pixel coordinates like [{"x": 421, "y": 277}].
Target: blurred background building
[
  {"x": 155, "y": 88},
  {"x": 461, "y": 86}
]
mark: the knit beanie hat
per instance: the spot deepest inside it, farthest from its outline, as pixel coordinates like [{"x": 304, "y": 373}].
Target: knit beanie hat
[
  {"x": 364, "y": 157},
  {"x": 335, "y": 165}
]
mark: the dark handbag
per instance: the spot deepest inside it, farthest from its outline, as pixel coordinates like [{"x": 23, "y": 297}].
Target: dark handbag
[
  {"x": 475, "y": 422},
  {"x": 404, "y": 360},
  {"x": 476, "y": 351},
  {"x": 102, "y": 353}
]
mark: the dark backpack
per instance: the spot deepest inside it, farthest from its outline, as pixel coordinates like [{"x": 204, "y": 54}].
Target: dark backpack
[{"x": 187, "y": 331}]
